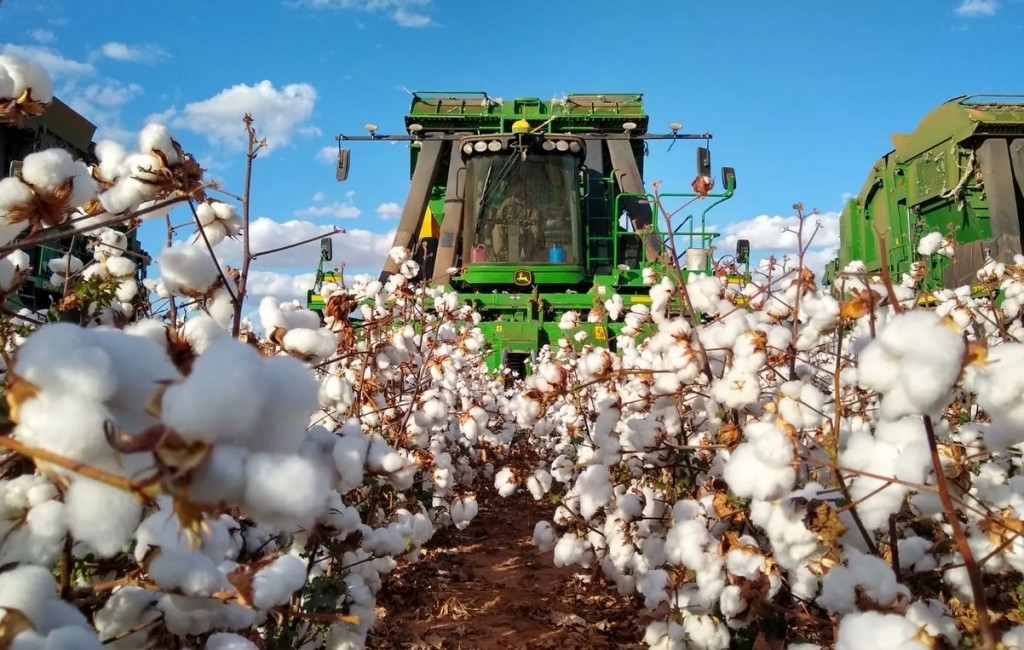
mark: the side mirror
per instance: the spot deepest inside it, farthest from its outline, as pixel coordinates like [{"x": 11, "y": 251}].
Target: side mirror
[
  {"x": 728, "y": 179},
  {"x": 341, "y": 173},
  {"x": 326, "y": 249},
  {"x": 742, "y": 251},
  {"x": 703, "y": 161}
]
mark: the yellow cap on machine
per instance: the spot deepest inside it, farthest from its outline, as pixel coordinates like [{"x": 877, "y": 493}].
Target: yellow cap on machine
[{"x": 520, "y": 126}]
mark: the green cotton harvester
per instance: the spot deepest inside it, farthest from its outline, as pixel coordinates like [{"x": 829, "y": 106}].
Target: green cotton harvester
[
  {"x": 528, "y": 209},
  {"x": 959, "y": 173}
]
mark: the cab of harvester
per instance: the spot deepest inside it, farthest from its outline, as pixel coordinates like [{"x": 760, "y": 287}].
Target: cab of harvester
[{"x": 529, "y": 209}]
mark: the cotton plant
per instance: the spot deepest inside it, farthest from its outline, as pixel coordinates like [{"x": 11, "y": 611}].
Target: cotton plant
[{"x": 743, "y": 408}]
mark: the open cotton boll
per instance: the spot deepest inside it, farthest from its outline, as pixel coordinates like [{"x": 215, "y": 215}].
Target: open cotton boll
[
  {"x": 188, "y": 270},
  {"x": 292, "y": 391},
  {"x": 156, "y": 137},
  {"x": 13, "y": 270},
  {"x": 223, "y": 396},
  {"x": 314, "y": 345},
  {"x": 201, "y": 330},
  {"x": 112, "y": 155},
  {"x": 349, "y": 457},
  {"x": 63, "y": 358},
  {"x": 879, "y": 631},
  {"x": 274, "y": 584},
  {"x": 33, "y": 591},
  {"x": 51, "y": 170},
  {"x": 913, "y": 362},
  {"x": 228, "y": 641},
  {"x": 285, "y": 490},
  {"x": 760, "y": 468},
  {"x": 120, "y": 267},
  {"x": 865, "y": 578},
  {"x": 102, "y": 517},
  {"x": 25, "y": 75},
  {"x": 463, "y": 510}
]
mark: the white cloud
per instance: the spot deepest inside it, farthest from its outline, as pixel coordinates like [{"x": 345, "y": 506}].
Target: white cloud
[
  {"x": 327, "y": 155},
  {"x": 776, "y": 235},
  {"x": 50, "y": 59},
  {"x": 278, "y": 114},
  {"x": 138, "y": 53},
  {"x": 97, "y": 98},
  {"x": 357, "y": 249},
  {"x": 779, "y": 233},
  {"x": 405, "y": 18},
  {"x": 405, "y": 13},
  {"x": 977, "y": 8},
  {"x": 319, "y": 196},
  {"x": 43, "y": 36},
  {"x": 101, "y": 103},
  {"x": 283, "y": 286},
  {"x": 389, "y": 210},
  {"x": 339, "y": 209}
]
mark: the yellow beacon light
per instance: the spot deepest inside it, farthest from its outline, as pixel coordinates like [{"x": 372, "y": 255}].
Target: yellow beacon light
[{"x": 520, "y": 126}]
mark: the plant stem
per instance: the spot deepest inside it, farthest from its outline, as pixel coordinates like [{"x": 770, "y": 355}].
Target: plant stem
[{"x": 988, "y": 638}]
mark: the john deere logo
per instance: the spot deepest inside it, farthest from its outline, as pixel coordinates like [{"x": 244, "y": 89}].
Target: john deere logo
[{"x": 523, "y": 278}]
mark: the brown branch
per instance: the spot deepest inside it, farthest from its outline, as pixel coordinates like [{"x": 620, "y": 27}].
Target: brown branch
[
  {"x": 52, "y": 235},
  {"x": 336, "y": 231},
  {"x": 988, "y": 637},
  {"x": 252, "y": 149}
]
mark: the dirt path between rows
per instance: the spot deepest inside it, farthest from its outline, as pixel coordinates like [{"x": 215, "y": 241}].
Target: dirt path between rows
[{"x": 488, "y": 587}]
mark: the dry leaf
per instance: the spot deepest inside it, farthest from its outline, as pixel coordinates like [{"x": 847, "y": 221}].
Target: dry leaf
[
  {"x": 859, "y": 305},
  {"x": 17, "y": 392},
  {"x": 566, "y": 619},
  {"x": 729, "y": 435},
  {"x": 822, "y": 519},
  {"x": 1002, "y": 528},
  {"x": 976, "y": 354},
  {"x": 14, "y": 622}
]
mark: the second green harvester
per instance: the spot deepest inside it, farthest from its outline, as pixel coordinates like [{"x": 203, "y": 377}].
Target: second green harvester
[{"x": 961, "y": 173}]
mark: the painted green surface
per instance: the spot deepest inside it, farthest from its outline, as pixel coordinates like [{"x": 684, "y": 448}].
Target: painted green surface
[
  {"x": 911, "y": 190},
  {"x": 521, "y": 316}
]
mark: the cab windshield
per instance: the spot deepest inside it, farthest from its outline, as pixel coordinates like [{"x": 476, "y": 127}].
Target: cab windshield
[{"x": 523, "y": 211}]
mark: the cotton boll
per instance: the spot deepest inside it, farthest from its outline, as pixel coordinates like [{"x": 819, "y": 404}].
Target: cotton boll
[
  {"x": 760, "y": 468},
  {"x": 544, "y": 536},
  {"x": 33, "y": 591},
  {"x": 128, "y": 194},
  {"x": 349, "y": 455},
  {"x": 878, "y": 631},
  {"x": 101, "y": 516},
  {"x": 285, "y": 490},
  {"x": 463, "y": 510},
  {"x": 187, "y": 270},
  {"x": 275, "y": 584},
  {"x": 863, "y": 577},
  {"x": 913, "y": 362},
  {"x": 223, "y": 396},
  {"x": 505, "y": 482},
  {"x": 228, "y": 641},
  {"x": 314, "y": 345},
  {"x": 25, "y": 75},
  {"x": 40, "y": 539},
  {"x": 222, "y": 477},
  {"x": 201, "y": 330},
  {"x": 155, "y": 137}
]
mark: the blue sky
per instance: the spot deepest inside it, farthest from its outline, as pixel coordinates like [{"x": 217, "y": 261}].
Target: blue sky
[{"x": 801, "y": 96}]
